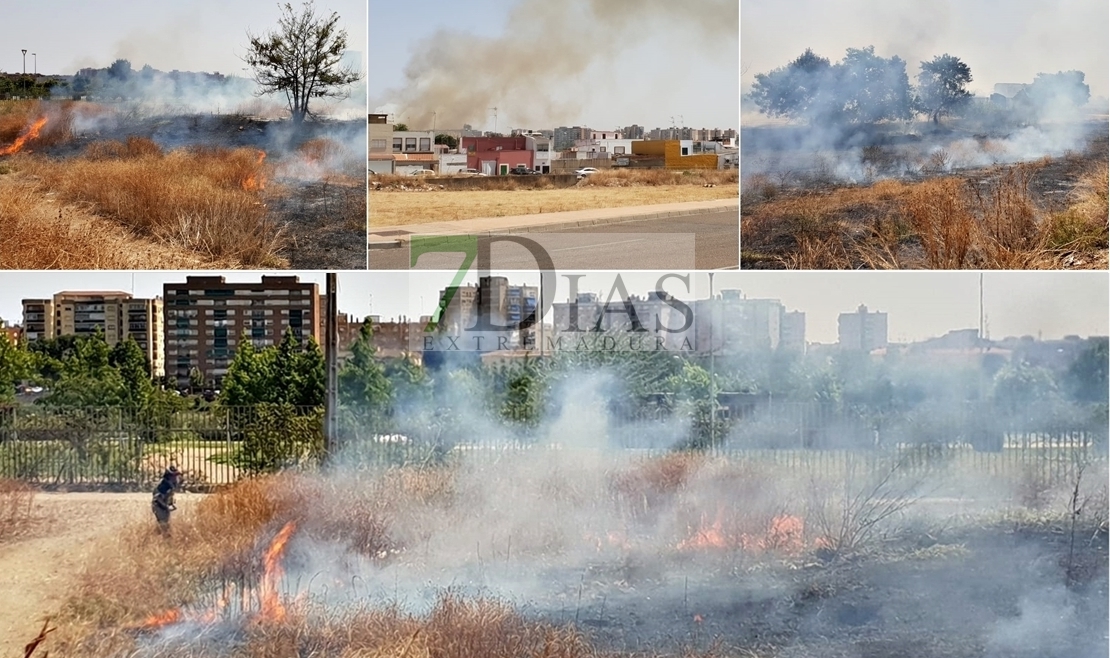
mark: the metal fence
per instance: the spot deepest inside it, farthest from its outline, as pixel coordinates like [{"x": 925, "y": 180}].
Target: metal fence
[
  {"x": 125, "y": 448},
  {"x": 113, "y": 448}
]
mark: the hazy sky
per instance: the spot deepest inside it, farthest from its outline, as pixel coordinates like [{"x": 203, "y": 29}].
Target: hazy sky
[
  {"x": 919, "y": 304},
  {"x": 602, "y": 63},
  {"x": 188, "y": 35},
  {"x": 1001, "y": 40}
]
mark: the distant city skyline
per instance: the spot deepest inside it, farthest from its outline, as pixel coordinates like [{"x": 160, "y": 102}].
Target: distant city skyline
[{"x": 920, "y": 305}]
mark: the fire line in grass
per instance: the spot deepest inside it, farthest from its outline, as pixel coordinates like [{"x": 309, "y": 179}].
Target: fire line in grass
[
  {"x": 31, "y": 133},
  {"x": 262, "y": 604}
]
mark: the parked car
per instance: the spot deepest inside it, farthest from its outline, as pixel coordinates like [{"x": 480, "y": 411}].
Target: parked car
[
  {"x": 585, "y": 171},
  {"x": 522, "y": 171},
  {"x": 473, "y": 172},
  {"x": 423, "y": 172}
]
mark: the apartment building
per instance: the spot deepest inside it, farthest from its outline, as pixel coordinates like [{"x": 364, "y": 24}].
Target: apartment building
[
  {"x": 116, "y": 314},
  {"x": 207, "y": 317},
  {"x": 862, "y": 331},
  {"x": 489, "y": 316}
]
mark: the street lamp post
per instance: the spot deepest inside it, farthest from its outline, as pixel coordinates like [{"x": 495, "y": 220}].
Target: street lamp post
[
  {"x": 24, "y": 50},
  {"x": 36, "y": 61}
]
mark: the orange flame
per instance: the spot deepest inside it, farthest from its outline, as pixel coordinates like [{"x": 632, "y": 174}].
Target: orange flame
[
  {"x": 708, "y": 536},
  {"x": 256, "y": 181},
  {"x": 31, "y": 133},
  {"x": 162, "y": 619},
  {"x": 272, "y": 607},
  {"x": 786, "y": 534},
  {"x": 270, "y": 604}
]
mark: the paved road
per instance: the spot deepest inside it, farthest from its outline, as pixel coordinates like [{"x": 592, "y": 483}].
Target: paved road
[{"x": 704, "y": 241}]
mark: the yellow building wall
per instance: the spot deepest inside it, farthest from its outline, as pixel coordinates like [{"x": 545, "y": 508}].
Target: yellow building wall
[{"x": 671, "y": 150}]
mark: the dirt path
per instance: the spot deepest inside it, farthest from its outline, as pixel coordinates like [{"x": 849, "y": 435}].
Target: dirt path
[{"x": 36, "y": 570}]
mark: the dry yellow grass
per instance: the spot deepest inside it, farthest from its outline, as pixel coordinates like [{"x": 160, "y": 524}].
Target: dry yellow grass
[
  {"x": 402, "y": 208},
  {"x": 16, "y": 499},
  {"x": 994, "y": 223},
  {"x": 42, "y": 233},
  {"x": 205, "y": 202}
]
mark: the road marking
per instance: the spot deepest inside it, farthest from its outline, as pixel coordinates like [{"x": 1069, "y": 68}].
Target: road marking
[{"x": 603, "y": 244}]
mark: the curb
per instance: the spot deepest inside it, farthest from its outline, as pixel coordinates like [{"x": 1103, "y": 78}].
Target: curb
[{"x": 400, "y": 241}]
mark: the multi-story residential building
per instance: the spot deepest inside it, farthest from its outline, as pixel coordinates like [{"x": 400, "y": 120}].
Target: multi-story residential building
[
  {"x": 730, "y": 323},
  {"x": 655, "y": 322},
  {"x": 565, "y": 137},
  {"x": 207, "y": 317},
  {"x": 490, "y": 316},
  {"x": 862, "y": 331},
  {"x": 38, "y": 319},
  {"x": 391, "y": 339},
  {"x": 116, "y": 314},
  {"x": 632, "y": 132},
  {"x": 13, "y": 334},
  {"x": 792, "y": 331}
]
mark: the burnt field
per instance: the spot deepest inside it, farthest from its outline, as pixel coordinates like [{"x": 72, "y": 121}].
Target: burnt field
[
  {"x": 99, "y": 186},
  {"x": 576, "y": 554},
  {"x": 939, "y": 198}
]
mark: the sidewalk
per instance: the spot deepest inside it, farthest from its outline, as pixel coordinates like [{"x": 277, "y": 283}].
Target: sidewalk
[{"x": 395, "y": 236}]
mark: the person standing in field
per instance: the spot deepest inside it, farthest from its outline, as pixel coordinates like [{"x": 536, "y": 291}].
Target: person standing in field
[{"x": 163, "y": 502}]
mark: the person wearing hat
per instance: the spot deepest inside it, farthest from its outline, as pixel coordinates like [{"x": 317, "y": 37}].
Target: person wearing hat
[{"x": 163, "y": 503}]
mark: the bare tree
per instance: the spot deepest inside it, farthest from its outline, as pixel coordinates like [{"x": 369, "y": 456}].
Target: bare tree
[{"x": 302, "y": 59}]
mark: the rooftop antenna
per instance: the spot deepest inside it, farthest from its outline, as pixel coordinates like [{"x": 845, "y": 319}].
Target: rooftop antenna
[{"x": 494, "y": 118}]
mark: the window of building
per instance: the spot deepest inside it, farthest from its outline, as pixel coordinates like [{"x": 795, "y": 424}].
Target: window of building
[
  {"x": 425, "y": 144},
  {"x": 377, "y": 145},
  {"x": 410, "y": 144},
  {"x": 618, "y": 149},
  {"x": 397, "y": 141}
]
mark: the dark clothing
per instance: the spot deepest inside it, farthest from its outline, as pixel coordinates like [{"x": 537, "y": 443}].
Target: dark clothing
[{"x": 162, "y": 504}]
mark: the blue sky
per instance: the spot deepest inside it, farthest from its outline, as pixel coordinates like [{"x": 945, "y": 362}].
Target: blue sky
[
  {"x": 562, "y": 65},
  {"x": 188, "y": 35},
  {"x": 919, "y": 304},
  {"x": 1001, "y": 40}
]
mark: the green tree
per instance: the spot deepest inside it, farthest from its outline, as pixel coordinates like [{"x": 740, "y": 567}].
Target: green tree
[
  {"x": 451, "y": 142},
  {"x": 1087, "y": 376},
  {"x": 302, "y": 59},
  {"x": 872, "y": 88},
  {"x": 250, "y": 378},
  {"x": 128, "y": 359},
  {"x": 942, "y": 85},
  {"x": 803, "y": 89},
  {"x": 14, "y": 367},
  {"x": 364, "y": 389},
  {"x": 401, "y": 127},
  {"x": 861, "y": 88}
]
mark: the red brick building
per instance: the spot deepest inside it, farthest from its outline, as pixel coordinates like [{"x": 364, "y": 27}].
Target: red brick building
[{"x": 495, "y": 156}]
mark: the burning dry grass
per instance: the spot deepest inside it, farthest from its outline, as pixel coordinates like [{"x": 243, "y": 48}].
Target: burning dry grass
[
  {"x": 991, "y": 221},
  {"x": 389, "y": 208},
  {"x": 29, "y": 124},
  {"x": 223, "y": 563},
  {"x": 203, "y": 201}
]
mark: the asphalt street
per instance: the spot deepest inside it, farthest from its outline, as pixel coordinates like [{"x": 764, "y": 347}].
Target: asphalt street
[{"x": 704, "y": 241}]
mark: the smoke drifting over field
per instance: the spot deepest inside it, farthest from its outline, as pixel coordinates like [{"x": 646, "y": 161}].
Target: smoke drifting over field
[
  {"x": 546, "y": 45},
  {"x": 1001, "y": 41},
  {"x": 664, "y": 554}
]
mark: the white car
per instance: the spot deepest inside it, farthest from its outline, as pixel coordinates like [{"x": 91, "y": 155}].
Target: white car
[
  {"x": 423, "y": 172},
  {"x": 586, "y": 171},
  {"x": 473, "y": 172}
]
